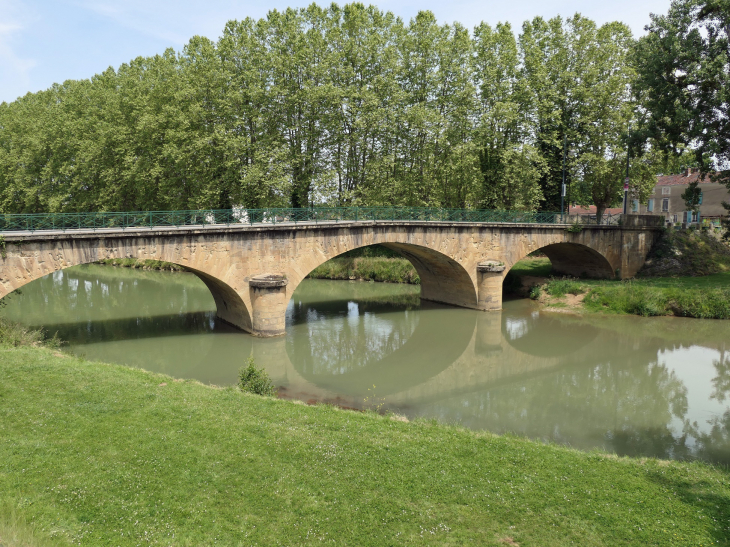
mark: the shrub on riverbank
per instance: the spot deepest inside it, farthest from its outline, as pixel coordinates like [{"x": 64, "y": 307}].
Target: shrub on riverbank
[
  {"x": 15, "y": 335},
  {"x": 141, "y": 264},
  {"x": 383, "y": 269},
  {"x": 255, "y": 380},
  {"x": 103, "y": 454}
]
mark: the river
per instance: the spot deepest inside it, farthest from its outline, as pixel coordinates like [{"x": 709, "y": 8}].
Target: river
[{"x": 629, "y": 385}]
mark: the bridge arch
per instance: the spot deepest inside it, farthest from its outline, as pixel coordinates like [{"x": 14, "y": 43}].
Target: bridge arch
[
  {"x": 578, "y": 260},
  {"x": 230, "y": 307},
  {"x": 574, "y": 259},
  {"x": 443, "y": 279}
]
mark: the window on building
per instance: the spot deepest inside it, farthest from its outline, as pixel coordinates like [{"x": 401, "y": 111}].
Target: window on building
[
  {"x": 665, "y": 206},
  {"x": 691, "y": 216},
  {"x": 634, "y": 205},
  {"x": 666, "y": 191},
  {"x": 700, "y": 202},
  {"x": 650, "y": 206}
]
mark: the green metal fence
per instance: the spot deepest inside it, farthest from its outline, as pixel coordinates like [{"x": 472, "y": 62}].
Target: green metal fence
[{"x": 78, "y": 221}]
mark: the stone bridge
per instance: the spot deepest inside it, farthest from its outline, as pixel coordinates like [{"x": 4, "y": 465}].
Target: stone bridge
[{"x": 252, "y": 270}]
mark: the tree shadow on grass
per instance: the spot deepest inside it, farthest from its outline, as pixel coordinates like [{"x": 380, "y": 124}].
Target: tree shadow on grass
[{"x": 705, "y": 498}]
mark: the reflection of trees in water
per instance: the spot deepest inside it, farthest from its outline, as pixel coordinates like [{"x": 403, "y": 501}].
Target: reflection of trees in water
[
  {"x": 625, "y": 408},
  {"x": 713, "y": 444},
  {"x": 351, "y": 337},
  {"x": 338, "y": 327},
  {"x": 91, "y": 294},
  {"x": 332, "y": 296},
  {"x": 721, "y": 382}
]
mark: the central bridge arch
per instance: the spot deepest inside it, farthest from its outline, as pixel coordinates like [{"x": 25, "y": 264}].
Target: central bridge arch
[{"x": 443, "y": 279}]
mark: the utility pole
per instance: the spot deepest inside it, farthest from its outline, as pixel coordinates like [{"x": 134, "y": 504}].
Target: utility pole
[
  {"x": 626, "y": 180},
  {"x": 562, "y": 190}
]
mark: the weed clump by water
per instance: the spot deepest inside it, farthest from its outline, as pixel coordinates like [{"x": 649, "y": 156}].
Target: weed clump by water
[
  {"x": 255, "y": 380},
  {"x": 16, "y": 335},
  {"x": 558, "y": 288},
  {"x": 536, "y": 292}
]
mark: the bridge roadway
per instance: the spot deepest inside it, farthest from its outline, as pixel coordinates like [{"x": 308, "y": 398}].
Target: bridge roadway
[{"x": 252, "y": 270}]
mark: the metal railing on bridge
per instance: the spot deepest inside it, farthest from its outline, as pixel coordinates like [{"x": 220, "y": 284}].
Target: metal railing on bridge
[
  {"x": 607, "y": 219},
  {"x": 238, "y": 216}
]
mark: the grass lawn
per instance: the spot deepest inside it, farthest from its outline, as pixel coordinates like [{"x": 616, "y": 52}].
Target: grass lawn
[{"x": 97, "y": 454}]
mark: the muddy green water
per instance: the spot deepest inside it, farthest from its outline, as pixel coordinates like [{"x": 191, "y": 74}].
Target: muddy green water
[{"x": 634, "y": 386}]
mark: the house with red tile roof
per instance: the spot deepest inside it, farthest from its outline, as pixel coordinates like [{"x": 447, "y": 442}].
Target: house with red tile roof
[{"x": 666, "y": 200}]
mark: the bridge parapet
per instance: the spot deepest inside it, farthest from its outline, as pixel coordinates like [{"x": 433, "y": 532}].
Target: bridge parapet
[
  {"x": 269, "y": 216},
  {"x": 626, "y": 221}
]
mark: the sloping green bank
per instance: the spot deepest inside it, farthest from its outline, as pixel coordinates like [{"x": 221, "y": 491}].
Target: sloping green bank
[
  {"x": 636, "y": 299},
  {"x": 686, "y": 253},
  {"x": 97, "y": 454}
]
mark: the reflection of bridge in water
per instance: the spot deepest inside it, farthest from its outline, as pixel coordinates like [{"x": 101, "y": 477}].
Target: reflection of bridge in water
[{"x": 485, "y": 351}]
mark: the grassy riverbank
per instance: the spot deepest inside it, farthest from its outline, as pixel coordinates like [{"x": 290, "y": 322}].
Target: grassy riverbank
[
  {"x": 687, "y": 274},
  {"x": 704, "y": 297},
  {"x": 373, "y": 263},
  {"x": 368, "y": 268},
  {"x": 98, "y": 454}
]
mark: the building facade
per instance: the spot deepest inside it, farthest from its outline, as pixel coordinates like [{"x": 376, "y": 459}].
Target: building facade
[{"x": 666, "y": 200}]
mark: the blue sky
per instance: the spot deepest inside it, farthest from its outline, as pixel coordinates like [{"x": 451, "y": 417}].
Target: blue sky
[{"x": 47, "y": 41}]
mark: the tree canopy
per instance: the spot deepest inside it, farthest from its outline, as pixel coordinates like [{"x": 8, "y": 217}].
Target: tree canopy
[{"x": 338, "y": 105}]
